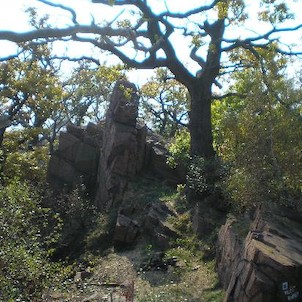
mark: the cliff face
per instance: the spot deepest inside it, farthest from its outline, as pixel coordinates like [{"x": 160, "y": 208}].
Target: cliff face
[{"x": 266, "y": 265}]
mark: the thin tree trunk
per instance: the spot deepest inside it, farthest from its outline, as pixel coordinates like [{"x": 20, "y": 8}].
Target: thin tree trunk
[
  {"x": 2, "y": 157},
  {"x": 2, "y": 131}
]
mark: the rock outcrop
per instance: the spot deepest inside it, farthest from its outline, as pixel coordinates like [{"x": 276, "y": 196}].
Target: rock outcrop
[
  {"x": 156, "y": 226},
  {"x": 126, "y": 231},
  {"x": 266, "y": 265},
  {"x": 123, "y": 150},
  {"x": 156, "y": 161},
  {"x": 151, "y": 219},
  {"x": 76, "y": 160},
  {"x": 107, "y": 156}
]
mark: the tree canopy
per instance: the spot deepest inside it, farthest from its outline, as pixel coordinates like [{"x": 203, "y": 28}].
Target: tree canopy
[
  {"x": 220, "y": 85},
  {"x": 220, "y": 37},
  {"x": 165, "y": 103}
]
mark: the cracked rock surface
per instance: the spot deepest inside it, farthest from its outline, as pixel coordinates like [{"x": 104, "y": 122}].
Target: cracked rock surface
[{"x": 267, "y": 264}]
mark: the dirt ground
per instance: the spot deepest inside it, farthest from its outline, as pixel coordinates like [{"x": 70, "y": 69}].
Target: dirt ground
[{"x": 118, "y": 277}]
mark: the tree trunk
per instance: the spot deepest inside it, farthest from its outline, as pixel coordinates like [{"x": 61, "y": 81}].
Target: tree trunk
[
  {"x": 201, "y": 95},
  {"x": 2, "y": 131},
  {"x": 200, "y": 121},
  {"x": 201, "y": 141},
  {"x": 2, "y": 156}
]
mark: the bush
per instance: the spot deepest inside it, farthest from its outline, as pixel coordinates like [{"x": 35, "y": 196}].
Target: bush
[
  {"x": 78, "y": 215},
  {"x": 25, "y": 268},
  {"x": 180, "y": 149},
  {"x": 260, "y": 137},
  {"x": 100, "y": 235},
  {"x": 205, "y": 176}
]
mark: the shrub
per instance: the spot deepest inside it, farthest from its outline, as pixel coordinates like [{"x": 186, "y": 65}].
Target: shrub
[
  {"x": 205, "y": 176},
  {"x": 180, "y": 149},
  {"x": 260, "y": 137},
  {"x": 25, "y": 268},
  {"x": 100, "y": 236},
  {"x": 78, "y": 215}
]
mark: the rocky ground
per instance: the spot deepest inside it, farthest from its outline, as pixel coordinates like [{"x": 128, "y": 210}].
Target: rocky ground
[
  {"x": 166, "y": 266},
  {"x": 147, "y": 270},
  {"x": 141, "y": 275}
]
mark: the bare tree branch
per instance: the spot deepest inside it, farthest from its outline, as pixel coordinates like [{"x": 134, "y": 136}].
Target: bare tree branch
[
  {"x": 70, "y": 10},
  {"x": 82, "y": 58},
  {"x": 189, "y": 13},
  {"x": 57, "y": 33},
  {"x": 10, "y": 57},
  {"x": 289, "y": 53},
  {"x": 117, "y": 2},
  {"x": 267, "y": 35},
  {"x": 227, "y": 95},
  {"x": 107, "y": 45},
  {"x": 201, "y": 62},
  {"x": 236, "y": 43}
]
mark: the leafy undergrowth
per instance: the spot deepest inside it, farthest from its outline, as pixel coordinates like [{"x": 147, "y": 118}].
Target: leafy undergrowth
[{"x": 119, "y": 275}]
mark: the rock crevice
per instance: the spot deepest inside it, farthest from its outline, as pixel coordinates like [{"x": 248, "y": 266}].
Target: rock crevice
[{"x": 266, "y": 265}]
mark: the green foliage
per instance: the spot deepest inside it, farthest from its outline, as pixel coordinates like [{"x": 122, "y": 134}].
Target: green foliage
[
  {"x": 165, "y": 103},
  {"x": 197, "y": 41},
  {"x": 196, "y": 178},
  {"x": 22, "y": 161},
  {"x": 100, "y": 234},
  {"x": 25, "y": 235},
  {"x": 178, "y": 200},
  {"x": 26, "y": 165},
  {"x": 233, "y": 11},
  {"x": 276, "y": 13},
  {"x": 182, "y": 222},
  {"x": 214, "y": 295},
  {"x": 192, "y": 279},
  {"x": 143, "y": 191},
  {"x": 29, "y": 92},
  {"x": 179, "y": 149},
  {"x": 40, "y": 103},
  {"x": 205, "y": 176},
  {"x": 88, "y": 91},
  {"x": 259, "y": 136},
  {"x": 31, "y": 95},
  {"x": 78, "y": 216}
]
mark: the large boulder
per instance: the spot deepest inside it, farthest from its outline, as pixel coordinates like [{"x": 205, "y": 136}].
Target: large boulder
[
  {"x": 267, "y": 264},
  {"x": 76, "y": 160},
  {"x": 62, "y": 173},
  {"x": 126, "y": 231},
  {"x": 156, "y": 225}
]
